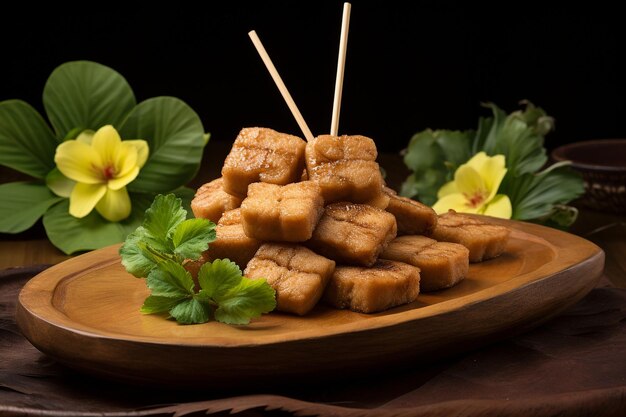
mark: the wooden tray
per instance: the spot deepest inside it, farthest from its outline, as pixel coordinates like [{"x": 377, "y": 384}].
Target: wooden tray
[{"x": 85, "y": 313}]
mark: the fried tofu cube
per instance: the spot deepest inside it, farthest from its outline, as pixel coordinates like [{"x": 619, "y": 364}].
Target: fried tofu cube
[
  {"x": 231, "y": 241},
  {"x": 353, "y": 233},
  {"x": 442, "y": 264},
  {"x": 285, "y": 213},
  {"x": 484, "y": 240},
  {"x": 413, "y": 217},
  {"x": 345, "y": 167},
  {"x": 211, "y": 201},
  {"x": 262, "y": 154},
  {"x": 297, "y": 274},
  {"x": 368, "y": 290}
]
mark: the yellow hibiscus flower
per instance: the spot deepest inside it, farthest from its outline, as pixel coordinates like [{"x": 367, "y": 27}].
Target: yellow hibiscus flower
[
  {"x": 102, "y": 165},
  {"x": 474, "y": 188}
]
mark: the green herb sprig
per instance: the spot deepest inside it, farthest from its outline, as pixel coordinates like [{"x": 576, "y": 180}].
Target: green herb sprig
[{"x": 159, "y": 249}]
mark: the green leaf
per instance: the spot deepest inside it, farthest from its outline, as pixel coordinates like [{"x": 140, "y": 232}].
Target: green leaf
[
  {"x": 26, "y": 142},
  {"x": 174, "y": 134},
  {"x": 250, "y": 299},
  {"x": 71, "y": 234},
  {"x": 164, "y": 214},
  {"x": 534, "y": 196},
  {"x": 516, "y": 139},
  {"x": 239, "y": 299},
  {"x": 191, "y": 311},
  {"x": 217, "y": 278},
  {"x": 433, "y": 156},
  {"x": 22, "y": 204},
  {"x": 171, "y": 280},
  {"x": 86, "y": 95},
  {"x": 134, "y": 257},
  {"x": 192, "y": 237},
  {"x": 156, "y": 304}
]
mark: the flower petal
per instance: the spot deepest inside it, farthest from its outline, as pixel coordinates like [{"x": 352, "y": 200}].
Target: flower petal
[
  {"x": 469, "y": 181},
  {"x": 119, "y": 182},
  {"x": 456, "y": 202},
  {"x": 86, "y": 136},
  {"x": 143, "y": 150},
  {"x": 125, "y": 159},
  {"x": 500, "y": 206},
  {"x": 84, "y": 198},
  {"x": 79, "y": 162},
  {"x": 447, "y": 188},
  {"x": 106, "y": 142},
  {"x": 493, "y": 171},
  {"x": 477, "y": 161},
  {"x": 59, "y": 183},
  {"x": 115, "y": 205}
]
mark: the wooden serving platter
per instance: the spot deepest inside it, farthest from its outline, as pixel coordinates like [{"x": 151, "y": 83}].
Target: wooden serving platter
[{"x": 85, "y": 313}]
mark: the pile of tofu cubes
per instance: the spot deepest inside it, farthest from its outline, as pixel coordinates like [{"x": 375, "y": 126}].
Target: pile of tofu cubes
[{"x": 318, "y": 223}]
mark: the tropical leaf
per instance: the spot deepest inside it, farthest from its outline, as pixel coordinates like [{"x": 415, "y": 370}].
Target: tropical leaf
[
  {"x": 71, "y": 234},
  {"x": 86, "y": 95},
  {"x": 533, "y": 196},
  {"x": 22, "y": 204},
  {"x": 175, "y": 136},
  {"x": 26, "y": 142}
]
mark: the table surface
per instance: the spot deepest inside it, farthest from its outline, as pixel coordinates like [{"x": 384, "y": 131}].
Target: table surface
[{"x": 498, "y": 377}]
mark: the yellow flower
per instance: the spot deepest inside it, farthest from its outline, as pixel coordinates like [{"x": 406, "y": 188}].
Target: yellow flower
[
  {"x": 102, "y": 165},
  {"x": 474, "y": 188}
]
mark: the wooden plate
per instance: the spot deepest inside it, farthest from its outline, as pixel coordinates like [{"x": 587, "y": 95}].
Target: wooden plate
[{"x": 85, "y": 312}]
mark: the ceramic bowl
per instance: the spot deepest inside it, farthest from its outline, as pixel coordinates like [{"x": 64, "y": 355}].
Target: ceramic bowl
[{"x": 602, "y": 164}]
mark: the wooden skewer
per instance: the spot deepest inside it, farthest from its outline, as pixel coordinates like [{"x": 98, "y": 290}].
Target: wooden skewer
[
  {"x": 281, "y": 85},
  {"x": 341, "y": 63}
]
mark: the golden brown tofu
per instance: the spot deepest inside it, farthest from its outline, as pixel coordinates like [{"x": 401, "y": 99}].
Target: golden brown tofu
[
  {"x": 211, "y": 201},
  {"x": 413, "y": 217},
  {"x": 298, "y": 275},
  {"x": 441, "y": 264},
  {"x": 484, "y": 240},
  {"x": 381, "y": 201},
  {"x": 285, "y": 213},
  {"x": 368, "y": 290},
  {"x": 262, "y": 154},
  {"x": 353, "y": 233},
  {"x": 345, "y": 167},
  {"x": 231, "y": 241}
]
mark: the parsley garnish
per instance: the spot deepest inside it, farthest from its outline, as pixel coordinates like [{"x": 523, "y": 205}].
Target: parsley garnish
[{"x": 158, "y": 250}]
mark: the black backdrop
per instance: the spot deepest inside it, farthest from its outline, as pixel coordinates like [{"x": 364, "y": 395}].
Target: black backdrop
[{"x": 410, "y": 65}]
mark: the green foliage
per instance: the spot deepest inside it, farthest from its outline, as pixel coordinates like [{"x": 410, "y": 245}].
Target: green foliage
[
  {"x": 159, "y": 248},
  {"x": 165, "y": 235},
  {"x": 22, "y": 204},
  {"x": 434, "y": 156},
  {"x": 83, "y": 96}
]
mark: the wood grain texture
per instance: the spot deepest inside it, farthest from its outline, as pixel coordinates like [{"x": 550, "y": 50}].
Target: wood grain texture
[{"x": 85, "y": 313}]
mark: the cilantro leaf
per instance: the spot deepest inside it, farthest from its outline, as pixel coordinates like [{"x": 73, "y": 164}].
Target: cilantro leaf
[
  {"x": 218, "y": 277},
  {"x": 192, "y": 237},
  {"x": 134, "y": 258},
  {"x": 250, "y": 299},
  {"x": 158, "y": 304},
  {"x": 170, "y": 280},
  {"x": 165, "y": 234},
  {"x": 238, "y": 298},
  {"x": 191, "y": 311},
  {"x": 165, "y": 213}
]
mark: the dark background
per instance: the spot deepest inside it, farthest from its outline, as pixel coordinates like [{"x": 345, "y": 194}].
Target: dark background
[{"x": 410, "y": 65}]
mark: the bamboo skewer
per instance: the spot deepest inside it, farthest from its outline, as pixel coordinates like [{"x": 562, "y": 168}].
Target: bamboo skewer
[
  {"x": 281, "y": 85},
  {"x": 341, "y": 63}
]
